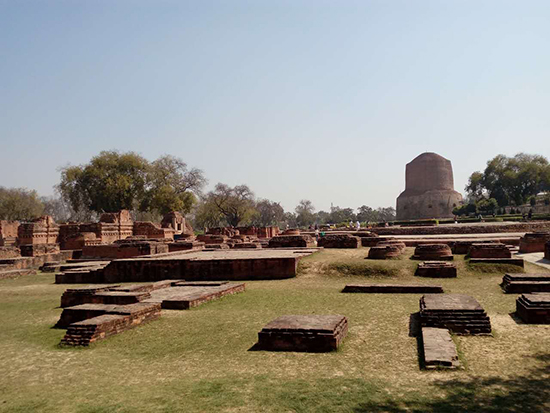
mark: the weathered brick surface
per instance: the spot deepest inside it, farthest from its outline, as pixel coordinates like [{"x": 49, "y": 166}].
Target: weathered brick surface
[
  {"x": 339, "y": 241},
  {"x": 125, "y": 249},
  {"x": 84, "y": 332},
  {"x": 526, "y": 283},
  {"x": 432, "y": 252},
  {"x": 292, "y": 241},
  {"x": 439, "y": 348},
  {"x": 308, "y": 333},
  {"x": 436, "y": 269},
  {"x": 534, "y": 242},
  {"x": 183, "y": 296},
  {"x": 464, "y": 229},
  {"x": 534, "y": 308},
  {"x": 486, "y": 250},
  {"x": 384, "y": 252},
  {"x": 82, "y": 312},
  {"x": 10, "y": 252},
  {"x": 547, "y": 251},
  {"x": 459, "y": 313},
  {"x": 392, "y": 289}
]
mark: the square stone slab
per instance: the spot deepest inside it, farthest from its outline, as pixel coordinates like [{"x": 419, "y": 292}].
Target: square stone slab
[{"x": 309, "y": 333}]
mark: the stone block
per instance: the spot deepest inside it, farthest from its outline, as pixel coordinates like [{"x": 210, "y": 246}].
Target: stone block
[
  {"x": 306, "y": 333},
  {"x": 436, "y": 269},
  {"x": 392, "y": 289},
  {"x": 459, "y": 313},
  {"x": 439, "y": 349},
  {"x": 339, "y": 241},
  {"x": 534, "y": 308}
]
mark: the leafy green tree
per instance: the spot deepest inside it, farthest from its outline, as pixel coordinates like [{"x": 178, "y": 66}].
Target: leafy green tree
[
  {"x": 346, "y": 215},
  {"x": 19, "y": 204},
  {"x": 487, "y": 206},
  {"x": 171, "y": 186},
  {"x": 113, "y": 181},
  {"x": 110, "y": 182},
  {"x": 236, "y": 204},
  {"x": 511, "y": 181},
  {"x": 305, "y": 213},
  {"x": 269, "y": 213}
]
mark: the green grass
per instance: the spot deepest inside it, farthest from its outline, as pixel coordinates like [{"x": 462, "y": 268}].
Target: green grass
[{"x": 199, "y": 360}]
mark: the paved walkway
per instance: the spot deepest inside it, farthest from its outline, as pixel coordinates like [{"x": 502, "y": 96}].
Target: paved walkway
[{"x": 536, "y": 258}]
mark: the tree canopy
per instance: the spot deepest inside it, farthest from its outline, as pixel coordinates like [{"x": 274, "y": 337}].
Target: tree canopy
[
  {"x": 19, "y": 204},
  {"x": 511, "y": 180},
  {"x": 112, "y": 181}
]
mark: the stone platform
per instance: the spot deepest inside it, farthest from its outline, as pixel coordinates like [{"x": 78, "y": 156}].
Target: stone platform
[
  {"x": 459, "y": 313},
  {"x": 436, "y": 269},
  {"x": 254, "y": 264},
  {"x": 90, "y": 323},
  {"x": 439, "y": 349},
  {"x": 307, "y": 333},
  {"x": 183, "y": 296},
  {"x": 392, "y": 289},
  {"x": 489, "y": 250},
  {"x": 534, "y": 242},
  {"x": 526, "y": 283},
  {"x": 534, "y": 308},
  {"x": 518, "y": 262}
]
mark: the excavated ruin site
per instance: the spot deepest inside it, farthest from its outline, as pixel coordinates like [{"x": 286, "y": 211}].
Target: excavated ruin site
[{"x": 385, "y": 299}]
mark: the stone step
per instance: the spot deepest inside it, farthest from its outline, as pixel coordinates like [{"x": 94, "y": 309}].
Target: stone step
[{"x": 439, "y": 350}]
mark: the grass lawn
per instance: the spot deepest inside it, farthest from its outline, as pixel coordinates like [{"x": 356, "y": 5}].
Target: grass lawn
[{"x": 199, "y": 360}]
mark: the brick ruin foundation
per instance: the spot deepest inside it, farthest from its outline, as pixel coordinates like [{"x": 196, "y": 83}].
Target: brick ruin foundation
[
  {"x": 305, "y": 333},
  {"x": 436, "y": 269},
  {"x": 96, "y": 312},
  {"x": 534, "y": 308},
  {"x": 384, "y": 252},
  {"x": 433, "y": 252},
  {"x": 547, "y": 251},
  {"x": 486, "y": 250},
  {"x": 392, "y": 289},
  {"x": 339, "y": 241},
  {"x": 526, "y": 283},
  {"x": 292, "y": 241},
  {"x": 459, "y": 313},
  {"x": 534, "y": 242}
]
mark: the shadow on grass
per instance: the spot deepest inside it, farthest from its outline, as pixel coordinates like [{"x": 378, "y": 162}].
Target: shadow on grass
[{"x": 523, "y": 393}]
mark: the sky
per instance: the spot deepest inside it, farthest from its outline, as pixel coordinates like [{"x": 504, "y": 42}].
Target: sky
[{"x": 319, "y": 100}]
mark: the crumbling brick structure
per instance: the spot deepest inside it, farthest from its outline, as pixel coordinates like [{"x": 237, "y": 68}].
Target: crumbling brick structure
[
  {"x": 125, "y": 249},
  {"x": 534, "y": 242},
  {"x": 384, "y": 252},
  {"x": 339, "y": 241},
  {"x": 432, "y": 252},
  {"x": 8, "y": 233},
  {"x": 292, "y": 241},
  {"x": 151, "y": 231},
  {"x": 38, "y": 237},
  {"x": 493, "y": 250}
]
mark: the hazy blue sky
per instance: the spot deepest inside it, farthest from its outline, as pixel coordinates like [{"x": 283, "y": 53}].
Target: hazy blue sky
[{"x": 323, "y": 100}]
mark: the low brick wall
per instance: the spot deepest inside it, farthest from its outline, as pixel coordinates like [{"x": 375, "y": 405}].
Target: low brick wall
[
  {"x": 292, "y": 241},
  {"x": 392, "y": 289},
  {"x": 465, "y": 229},
  {"x": 339, "y": 241},
  {"x": 534, "y": 242},
  {"x": 144, "y": 270}
]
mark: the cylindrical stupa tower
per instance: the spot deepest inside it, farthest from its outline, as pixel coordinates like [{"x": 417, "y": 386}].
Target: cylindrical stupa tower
[{"x": 429, "y": 189}]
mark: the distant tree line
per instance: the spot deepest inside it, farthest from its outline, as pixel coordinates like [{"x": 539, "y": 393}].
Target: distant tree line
[{"x": 112, "y": 181}]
